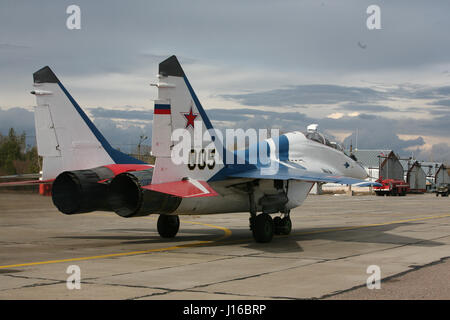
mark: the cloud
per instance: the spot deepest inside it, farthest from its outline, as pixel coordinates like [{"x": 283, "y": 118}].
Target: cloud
[
  {"x": 439, "y": 111},
  {"x": 375, "y": 124},
  {"x": 374, "y": 132},
  {"x": 243, "y": 114},
  {"x": 308, "y": 94},
  {"x": 22, "y": 120},
  {"x": 445, "y": 102},
  {"x": 366, "y": 107},
  {"x": 309, "y": 58},
  {"x": 310, "y": 40},
  {"x": 427, "y": 92},
  {"x": 101, "y": 113},
  {"x": 18, "y": 118},
  {"x": 336, "y": 115},
  {"x": 246, "y": 118},
  {"x": 382, "y": 139},
  {"x": 439, "y": 152},
  {"x": 122, "y": 134}
]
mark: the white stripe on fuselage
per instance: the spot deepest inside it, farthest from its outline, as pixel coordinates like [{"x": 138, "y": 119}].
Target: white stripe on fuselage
[
  {"x": 199, "y": 186},
  {"x": 273, "y": 154}
]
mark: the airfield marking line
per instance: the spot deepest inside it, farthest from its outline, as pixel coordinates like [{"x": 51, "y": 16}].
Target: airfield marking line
[{"x": 227, "y": 233}]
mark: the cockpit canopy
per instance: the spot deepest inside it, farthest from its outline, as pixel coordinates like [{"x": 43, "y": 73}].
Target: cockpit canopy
[{"x": 313, "y": 134}]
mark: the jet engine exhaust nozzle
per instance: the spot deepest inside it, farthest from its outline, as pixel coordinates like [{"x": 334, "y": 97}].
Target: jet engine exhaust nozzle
[
  {"x": 79, "y": 191},
  {"x": 128, "y": 199}
]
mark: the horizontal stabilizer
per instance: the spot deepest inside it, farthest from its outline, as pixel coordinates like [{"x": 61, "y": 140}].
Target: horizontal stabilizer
[
  {"x": 22, "y": 176},
  {"x": 25, "y": 183},
  {"x": 185, "y": 188}
]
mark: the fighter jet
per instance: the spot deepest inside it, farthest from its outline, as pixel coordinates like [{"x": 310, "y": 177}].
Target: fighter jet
[{"x": 265, "y": 179}]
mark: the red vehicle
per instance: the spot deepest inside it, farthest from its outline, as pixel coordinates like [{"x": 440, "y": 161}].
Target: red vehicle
[{"x": 391, "y": 187}]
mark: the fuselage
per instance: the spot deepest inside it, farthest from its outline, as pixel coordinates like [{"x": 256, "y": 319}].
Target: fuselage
[
  {"x": 318, "y": 157},
  {"x": 295, "y": 150}
]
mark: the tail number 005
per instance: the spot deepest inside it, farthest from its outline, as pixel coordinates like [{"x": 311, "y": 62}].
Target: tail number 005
[{"x": 201, "y": 159}]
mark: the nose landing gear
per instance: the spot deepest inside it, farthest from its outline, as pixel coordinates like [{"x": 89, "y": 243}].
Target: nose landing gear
[{"x": 262, "y": 225}]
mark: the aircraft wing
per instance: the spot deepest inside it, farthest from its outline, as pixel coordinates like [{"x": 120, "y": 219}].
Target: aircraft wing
[
  {"x": 25, "y": 183},
  {"x": 288, "y": 171},
  {"x": 188, "y": 188}
]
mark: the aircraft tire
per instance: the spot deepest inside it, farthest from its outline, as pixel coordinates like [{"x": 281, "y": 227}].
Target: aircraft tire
[
  {"x": 286, "y": 226},
  {"x": 263, "y": 228},
  {"x": 168, "y": 225},
  {"x": 277, "y": 224}
]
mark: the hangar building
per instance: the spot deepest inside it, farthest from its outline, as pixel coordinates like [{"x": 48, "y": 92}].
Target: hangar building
[
  {"x": 391, "y": 167},
  {"x": 416, "y": 178},
  {"x": 442, "y": 175}
]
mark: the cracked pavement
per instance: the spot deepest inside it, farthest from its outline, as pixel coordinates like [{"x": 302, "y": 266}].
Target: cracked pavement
[{"x": 334, "y": 240}]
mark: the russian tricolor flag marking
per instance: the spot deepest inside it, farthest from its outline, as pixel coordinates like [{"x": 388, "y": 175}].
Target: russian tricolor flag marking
[{"x": 162, "y": 109}]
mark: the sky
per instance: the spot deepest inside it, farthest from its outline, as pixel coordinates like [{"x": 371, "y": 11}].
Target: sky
[{"x": 253, "y": 64}]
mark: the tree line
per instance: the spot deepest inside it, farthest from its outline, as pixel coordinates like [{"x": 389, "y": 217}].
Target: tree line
[{"x": 15, "y": 156}]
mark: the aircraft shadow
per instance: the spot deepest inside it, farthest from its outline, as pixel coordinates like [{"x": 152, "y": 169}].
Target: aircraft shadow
[
  {"x": 279, "y": 244},
  {"x": 151, "y": 236},
  {"x": 375, "y": 234}
]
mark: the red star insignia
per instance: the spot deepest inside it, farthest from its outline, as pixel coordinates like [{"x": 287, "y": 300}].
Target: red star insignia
[{"x": 190, "y": 117}]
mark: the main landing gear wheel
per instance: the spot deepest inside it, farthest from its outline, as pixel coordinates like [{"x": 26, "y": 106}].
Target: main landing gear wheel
[
  {"x": 168, "y": 225},
  {"x": 282, "y": 226},
  {"x": 263, "y": 228}
]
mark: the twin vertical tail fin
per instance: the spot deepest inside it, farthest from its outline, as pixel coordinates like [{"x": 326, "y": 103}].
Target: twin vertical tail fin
[
  {"x": 66, "y": 138},
  {"x": 178, "y": 109}
]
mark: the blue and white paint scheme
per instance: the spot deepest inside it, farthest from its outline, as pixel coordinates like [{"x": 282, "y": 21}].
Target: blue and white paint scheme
[
  {"x": 66, "y": 137},
  {"x": 302, "y": 159},
  {"x": 87, "y": 174}
]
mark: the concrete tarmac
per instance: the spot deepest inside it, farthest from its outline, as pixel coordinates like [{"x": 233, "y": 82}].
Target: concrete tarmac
[{"x": 333, "y": 242}]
